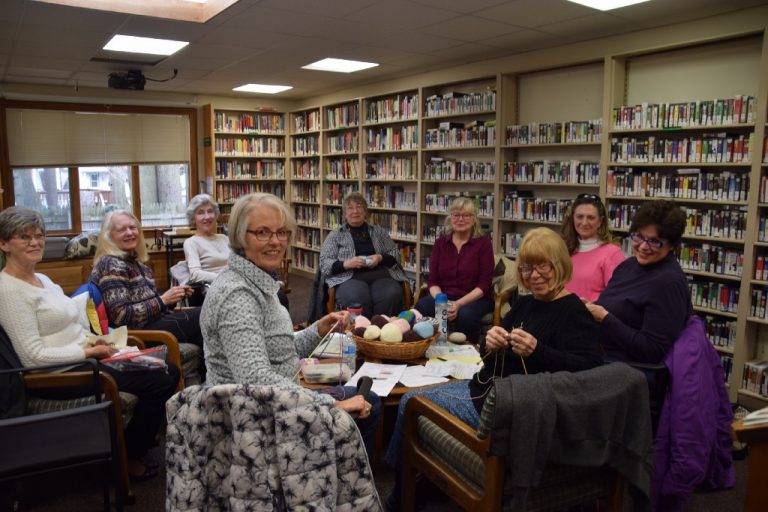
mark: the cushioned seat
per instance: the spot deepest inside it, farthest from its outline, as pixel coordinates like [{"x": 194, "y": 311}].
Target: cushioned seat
[
  {"x": 41, "y": 405},
  {"x": 191, "y": 359}
]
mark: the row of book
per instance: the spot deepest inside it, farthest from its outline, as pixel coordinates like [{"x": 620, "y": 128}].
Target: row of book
[
  {"x": 511, "y": 243},
  {"x": 754, "y": 377},
  {"x": 715, "y": 259},
  {"x": 390, "y": 168},
  {"x": 390, "y": 196},
  {"x": 555, "y": 133},
  {"x": 248, "y": 123},
  {"x": 539, "y": 209},
  {"x": 399, "y": 225},
  {"x": 721, "y": 331},
  {"x": 342, "y": 169},
  {"x": 678, "y": 184},
  {"x": 717, "y": 296},
  {"x": 737, "y": 110},
  {"x": 476, "y": 135},
  {"x": 345, "y": 142},
  {"x": 757, "y": 307},
  {"x": 308, "y": 169},
  {"x": 244, "y": 169},
  {"x": 762, "y": 229},
  {"x": 441, "y": 203},
  {"x": 763, "y": 189},
  {"x": 445, "y": 169},
  {"x": 549, "y": 171},
  {"x": 308, "y": 121},
  {"x": 432, "y": 233},
  {"x": 455, "y": 102},
  {"x": 407, "y": 257},
  {"x": 308, "y": 145},
  {"x": 305, "y": 192},
  {"x": 309, "y": 261},
  {"x": 266, "y": 146},
  {"x": 336, "y": 192},
  {"x": 727, "y": 362},
  {"x": 342, "y": 116},
  {"x": 709, "y": 148},
  {"x": 307, "y": 215},
  {"x": 307, "y": 237},
  {"x": 761, "y": 267},
  {"x": 229, "y": 192},
  {"x": 396, "y": 108},
  {"x": 729, "y": 222},
  {"x": 392, "y": 138}
]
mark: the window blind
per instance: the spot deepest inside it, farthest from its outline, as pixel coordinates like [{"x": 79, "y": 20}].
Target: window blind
[{"x": 39, "y": 138}]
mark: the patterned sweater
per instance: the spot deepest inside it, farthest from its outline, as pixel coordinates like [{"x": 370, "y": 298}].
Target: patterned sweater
[
  {"x": 248, "y": 335},
  {"x": 129, "y": 291}
]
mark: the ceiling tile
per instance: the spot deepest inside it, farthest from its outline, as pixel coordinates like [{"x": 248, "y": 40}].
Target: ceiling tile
[
  {"x": 589, "y": 27},
  {"x": 525, "y": 40},
  {"x": 417, "y": 42},
  {"x": 401, "y": 15},
  {"x": 534, "y": 13},
  {"x": 143, "y": 26},
  {"x": 77, "y": 18},
  {"x": 329, "y": 8},
  {"x": 462, "y": 6},
  {"x": 470, "y": 28}
]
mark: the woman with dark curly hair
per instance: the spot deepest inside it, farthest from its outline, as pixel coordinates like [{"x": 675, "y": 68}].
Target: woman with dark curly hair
[{"x": 647, "y": 302}]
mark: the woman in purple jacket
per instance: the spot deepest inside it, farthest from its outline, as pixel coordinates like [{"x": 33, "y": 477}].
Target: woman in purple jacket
[{"x": 461, "y": 266}]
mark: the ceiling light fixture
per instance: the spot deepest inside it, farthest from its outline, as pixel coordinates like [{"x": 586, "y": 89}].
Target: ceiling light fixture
[
  {"x": 198, "y": 11},
  {"x": 339, "y": 65},
  {"x": 149, "y": 45},
  {"x": 607, "y": 5},
  {"x": 261, "y": 88}
]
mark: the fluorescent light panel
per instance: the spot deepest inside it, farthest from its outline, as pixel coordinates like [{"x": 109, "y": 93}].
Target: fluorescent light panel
[
  {"x": 607, "y": 5},
  {"x": 339, "y": 65},
  {"x": 262, "y": 88},
  {"x": 149, "y": 45},
  {"x": 198, "y": 11}
]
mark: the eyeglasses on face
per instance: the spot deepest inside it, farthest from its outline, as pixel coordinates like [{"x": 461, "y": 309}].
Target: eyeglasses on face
[
  {"x": 653, "y": 243},
  {"x": 265, "y": 235},
  {"x": 461, "y": 215},
  {"x": 541, "y": 268},
  {"x": 26, "y": 238}
]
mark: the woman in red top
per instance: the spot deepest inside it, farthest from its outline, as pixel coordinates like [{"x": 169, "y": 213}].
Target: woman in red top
[{"x": 461, "y": 266}]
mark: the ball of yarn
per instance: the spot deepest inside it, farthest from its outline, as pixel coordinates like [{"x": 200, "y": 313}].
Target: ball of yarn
[
  {"x": 391, "y": 332},
  {"x": 372, "y": 332},
  {"x": 457, "y": 337},
  {"x": 411, "y": 336},
  {"x": 402, "y": 323},
  {"x": 379, "y": 321},
  {"x": 361, "y": 321},
  {"x": 416, "y": 314},
  {"x": 359, "y": 331},
  {"x": 408, "y": 316},
  {"x": 424, "y": 329}
]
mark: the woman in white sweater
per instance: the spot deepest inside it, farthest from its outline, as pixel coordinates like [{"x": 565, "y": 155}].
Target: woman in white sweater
[
  {"x": 206, "y": 252},
  {"x": 44, "y": 327}
]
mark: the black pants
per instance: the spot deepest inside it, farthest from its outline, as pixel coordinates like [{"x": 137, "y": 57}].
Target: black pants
[
  {"x": 185, "y": 325},
  {"x": 153, "y": 388}
]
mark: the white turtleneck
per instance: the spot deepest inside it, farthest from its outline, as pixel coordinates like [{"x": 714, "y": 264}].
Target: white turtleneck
[{"x": 588, "y": 245}]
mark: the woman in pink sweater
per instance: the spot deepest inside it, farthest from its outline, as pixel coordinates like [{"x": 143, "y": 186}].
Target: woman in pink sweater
[{"x": 593, "y": 253}]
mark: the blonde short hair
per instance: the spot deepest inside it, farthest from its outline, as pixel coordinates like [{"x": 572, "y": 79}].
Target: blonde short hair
[
  {"x": 107, "y": 247},
  {"x": 238, "y": 218},
  {"x": 465, "y": 204},
  {"x": 542, "y": 245}
]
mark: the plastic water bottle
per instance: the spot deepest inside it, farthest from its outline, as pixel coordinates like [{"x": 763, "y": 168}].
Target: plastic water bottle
[
  {"x": 349, "y": 354},
  {"x": 441, "y": 314}
]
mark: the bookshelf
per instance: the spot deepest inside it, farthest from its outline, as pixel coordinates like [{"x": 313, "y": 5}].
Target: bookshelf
[
  {"x": 695, "y": 142},
  {"x": 245, "y": 153}
]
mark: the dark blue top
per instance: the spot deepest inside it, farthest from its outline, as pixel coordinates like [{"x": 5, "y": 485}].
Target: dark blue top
[{"x": 648, "y": 306}]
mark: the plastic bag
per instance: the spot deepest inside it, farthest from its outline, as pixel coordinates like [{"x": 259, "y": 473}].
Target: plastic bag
[{"x": 132, "y": 359}]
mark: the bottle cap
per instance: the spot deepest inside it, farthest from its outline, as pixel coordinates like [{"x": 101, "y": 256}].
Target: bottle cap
[{"x": 441, "y": 297}]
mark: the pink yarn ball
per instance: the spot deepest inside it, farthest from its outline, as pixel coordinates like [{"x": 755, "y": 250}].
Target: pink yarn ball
[{"x": 362, "y": 321}]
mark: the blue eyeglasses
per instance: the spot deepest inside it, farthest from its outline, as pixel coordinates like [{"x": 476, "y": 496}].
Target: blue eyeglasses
[{"x": 653, "y": 243}]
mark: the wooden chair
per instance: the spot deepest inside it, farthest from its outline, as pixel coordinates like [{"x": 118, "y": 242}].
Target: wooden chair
[{"x": 407, "y": 298}]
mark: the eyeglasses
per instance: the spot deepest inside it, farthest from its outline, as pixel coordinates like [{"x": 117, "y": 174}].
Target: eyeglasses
[
  {"x": 653, "y": 243},
  {"x": 592, "y": 198},
  {"x": 27, "y": 239},
  {"x": 541, "y": 268},
  {"x": 265, "y": 235},
  {"x": 462, "y": 216}
]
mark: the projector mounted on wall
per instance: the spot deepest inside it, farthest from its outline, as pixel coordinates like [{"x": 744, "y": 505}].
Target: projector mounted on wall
[{"x": 132, "y": 79}]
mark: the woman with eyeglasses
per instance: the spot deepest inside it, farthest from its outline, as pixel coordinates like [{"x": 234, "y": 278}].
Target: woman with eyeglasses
[
  {"x": 461, "y": 266},
  {"x": 248, "y": 334},
  {"x": 127, "y": 284},
  {"x": 48, "y": 328},
  {"x": 206, "y": 252},
  {"x": 593, "y": 252},
  {"x": 647, "y": 302},
  {"x": 360, "y": 261}
]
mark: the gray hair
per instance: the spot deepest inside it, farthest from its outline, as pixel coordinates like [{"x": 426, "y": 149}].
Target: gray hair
[
  {"x": 16, "y": 220},
  {"x": 198, "y": 201},
  {"x": 241, "y": 211},
  {"x": 465, "y": 204},
  {"x": 354, "y": 197}
]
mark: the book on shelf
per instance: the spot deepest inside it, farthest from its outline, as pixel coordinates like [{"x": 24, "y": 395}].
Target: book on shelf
[
  {"x": 449, "y": 125},
  {"x": 453, "y": 94}
]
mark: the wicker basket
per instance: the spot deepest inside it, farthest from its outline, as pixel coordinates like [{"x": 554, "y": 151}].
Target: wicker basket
[{"x": 393, "y": 350}]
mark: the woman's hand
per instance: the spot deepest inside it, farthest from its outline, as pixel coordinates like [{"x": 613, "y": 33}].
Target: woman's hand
[
  {"x": 453, "y": 311},
  {"x": 354, "y": 263},
  {"x": 522, "y": 343},
  {"x": 496, "y": 339},
  {"x": 598, "y": 312},
  {"x": 337, "y": 320},
  {"x": 100, "y": 351},
  {"x": 175, "y": 294},
  {"x": 375, "y": 260},
  {"x": 356, "y": 403}
]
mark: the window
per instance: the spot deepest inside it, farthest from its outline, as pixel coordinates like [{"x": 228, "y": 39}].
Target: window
[
  {"x": 112, "y": 189},
  {"x": 164, "y": 195},
  {"x": 45, "y": 189}
]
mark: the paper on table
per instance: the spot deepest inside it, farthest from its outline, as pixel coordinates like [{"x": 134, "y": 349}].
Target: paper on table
[
  {"x": 449, "y": 349},
  {"x": 385, "y": 376},
  {"x": 415, "y": 376},
  {"x": 757, "y": 417},
  {"x": 455, "y": 369}
]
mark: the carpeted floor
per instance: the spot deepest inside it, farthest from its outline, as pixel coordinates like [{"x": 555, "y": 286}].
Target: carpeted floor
[{"x": 80, "y": 490}]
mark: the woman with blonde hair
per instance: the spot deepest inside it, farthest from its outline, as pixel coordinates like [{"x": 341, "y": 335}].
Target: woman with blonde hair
[
  {"x": 461, "y": 266},
  {"x": 128, "y": 286}
]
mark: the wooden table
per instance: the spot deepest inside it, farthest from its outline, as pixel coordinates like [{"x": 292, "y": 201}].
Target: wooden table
[{"x": 756, "y": 499}]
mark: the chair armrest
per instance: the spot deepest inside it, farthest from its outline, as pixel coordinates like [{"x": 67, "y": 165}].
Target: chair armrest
[
  {"x": 133, "y": 341},
  {"x": 421, "y": 292},
  {"x": 407, "y": 296},
  {"x": 330, "y": 306},
  {"x": 167, "y": 339},
  {"x": 499, "y": 302},
  {"x": 420, "y": 406}
]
